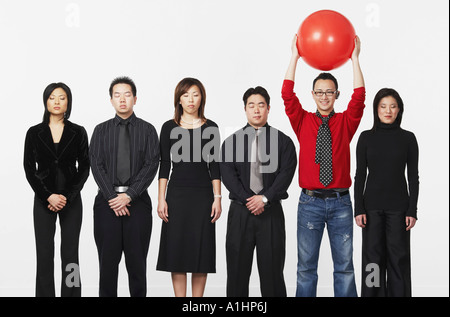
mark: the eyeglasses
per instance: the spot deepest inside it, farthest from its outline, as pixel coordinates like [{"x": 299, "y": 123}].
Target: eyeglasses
[{"x": 320, "y": 93}]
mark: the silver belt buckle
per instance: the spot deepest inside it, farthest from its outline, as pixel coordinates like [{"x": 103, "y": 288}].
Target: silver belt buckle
[{"x": 120, "y": 189}]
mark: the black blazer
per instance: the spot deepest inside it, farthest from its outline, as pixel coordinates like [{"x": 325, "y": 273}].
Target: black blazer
[
  {"x": 41, "y": 161},
  {"x": 235, "y": 164}
]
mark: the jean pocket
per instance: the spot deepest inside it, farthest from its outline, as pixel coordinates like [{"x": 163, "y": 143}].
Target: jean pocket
[
  {"x": 305, "y": 199},
  {"x": 345, "y": 200}
]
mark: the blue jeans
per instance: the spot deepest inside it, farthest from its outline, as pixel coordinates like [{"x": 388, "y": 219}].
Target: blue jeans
[{"x": 313, "y": 214}]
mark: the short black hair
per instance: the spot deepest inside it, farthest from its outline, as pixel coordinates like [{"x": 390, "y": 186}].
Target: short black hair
[
  {"x": 47, "y": 93},
  {"x": 256, "y": 91},
  {"x": 123, "y": 80},
  {"x": 326, "y": 76},
  {"x": 386, "y": 92}
]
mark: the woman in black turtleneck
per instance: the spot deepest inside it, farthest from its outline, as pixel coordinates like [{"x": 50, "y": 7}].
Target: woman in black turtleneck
[{"x": 385, "y": 202}]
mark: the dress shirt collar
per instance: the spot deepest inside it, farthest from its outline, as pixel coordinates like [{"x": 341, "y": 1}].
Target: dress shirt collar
[
  {"x": 132, "y": 119},
  {"x": 248, "y": 125}
]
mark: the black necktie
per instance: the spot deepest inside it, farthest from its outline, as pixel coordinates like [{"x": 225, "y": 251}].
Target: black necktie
[
  {"x": 123, "y": 154},
  {"x": 324, "y": 150}
]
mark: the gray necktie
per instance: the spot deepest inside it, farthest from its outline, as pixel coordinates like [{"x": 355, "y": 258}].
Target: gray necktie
[{"x": 256, "y": 179}]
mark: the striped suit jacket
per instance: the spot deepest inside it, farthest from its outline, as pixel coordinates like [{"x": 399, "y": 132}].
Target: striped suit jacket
[{"x": 144, "y": 147}]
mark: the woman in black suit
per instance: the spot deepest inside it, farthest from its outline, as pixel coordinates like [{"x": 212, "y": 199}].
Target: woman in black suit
[{"x": 52, "y": 150}]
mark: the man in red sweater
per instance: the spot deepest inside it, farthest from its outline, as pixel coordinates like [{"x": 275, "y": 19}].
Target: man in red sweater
[{"x": 324, "y": 174}]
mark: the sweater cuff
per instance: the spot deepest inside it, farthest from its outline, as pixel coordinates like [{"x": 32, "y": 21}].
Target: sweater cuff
[
  {"x": 359, "y": 94},
  {"x": 411, "y": 213},
  {"x": 359, "y": 207},
  {"x": 288, "y": 87}
]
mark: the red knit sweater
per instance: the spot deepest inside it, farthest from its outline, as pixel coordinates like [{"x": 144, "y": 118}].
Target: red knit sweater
[{"x": 306, "y": 125}]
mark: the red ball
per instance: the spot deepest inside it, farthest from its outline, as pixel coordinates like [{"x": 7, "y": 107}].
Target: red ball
[{"x": 325, "y": 40}]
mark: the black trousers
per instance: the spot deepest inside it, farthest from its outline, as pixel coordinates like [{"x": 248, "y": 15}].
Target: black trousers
[
  {"x": 128, "y": 234},
  {"x": 70, "y": 219},
  {"x": 386, "y": 264},
  {"x": 267, "y": 233}
]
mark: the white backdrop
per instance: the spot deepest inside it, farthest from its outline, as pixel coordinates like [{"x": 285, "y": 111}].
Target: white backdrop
[{"x": 230, "y": 46}]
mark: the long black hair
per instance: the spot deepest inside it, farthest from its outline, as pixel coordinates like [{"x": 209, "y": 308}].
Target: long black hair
[
  {"x": 386, "y": 92},
  {"x": 47, "y": 93}
]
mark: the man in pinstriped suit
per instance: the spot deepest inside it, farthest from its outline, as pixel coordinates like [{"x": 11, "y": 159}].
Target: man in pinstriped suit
[{"x": 124, "y": 156}]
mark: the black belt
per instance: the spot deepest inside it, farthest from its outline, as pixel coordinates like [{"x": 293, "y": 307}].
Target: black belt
[
  {"x": 323, "y": 195},
  {"x": 237, "y": 202}
]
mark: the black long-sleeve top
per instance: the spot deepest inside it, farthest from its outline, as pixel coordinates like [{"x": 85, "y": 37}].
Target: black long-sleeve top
[
  {"x": 279, "y": 160},
  {"x": 385, "y": 153},
  {"x": 193, "y": 154},
  {"x": 62, "y": 170},
  {"x": 144, "y": 147}
]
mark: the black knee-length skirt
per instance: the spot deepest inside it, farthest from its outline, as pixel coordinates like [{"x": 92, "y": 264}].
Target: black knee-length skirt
[{"x": 188, "y": 240}]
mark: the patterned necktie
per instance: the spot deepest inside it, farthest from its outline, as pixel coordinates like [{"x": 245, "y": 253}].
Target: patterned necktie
[
  {"x": 324, "y": 150},
  {"x": 123, "y": 154},
  {"x": 256, "y": 181}
]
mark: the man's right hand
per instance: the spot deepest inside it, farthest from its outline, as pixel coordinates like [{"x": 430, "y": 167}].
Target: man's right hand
[
  {"x": 294, "y": 48},
  {"x": 290, "y": 73},
  {"x": 255, "y": 205}
]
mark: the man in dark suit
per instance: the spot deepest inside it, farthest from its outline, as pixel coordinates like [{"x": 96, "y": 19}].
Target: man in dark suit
[
  {"x": 124, "y": 154},
  {"x": 257, "y": 166}
]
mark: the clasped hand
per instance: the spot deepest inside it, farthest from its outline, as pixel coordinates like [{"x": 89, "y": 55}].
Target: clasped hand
[
  {"x": 255, "y": 204},
  {"x": 56, "y": 202},
  {"x": 119, "y": 204}
]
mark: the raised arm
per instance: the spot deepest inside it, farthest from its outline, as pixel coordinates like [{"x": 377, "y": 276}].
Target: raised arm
[
  {"x": 358, "y": 79},
  {"x": 293, "y": 107},
  {"x": 290, "y": 73}
]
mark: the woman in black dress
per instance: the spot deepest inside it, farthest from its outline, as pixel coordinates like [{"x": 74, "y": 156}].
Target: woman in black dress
[
  {"x": 189, "y": 143},
  {"x": 52, "y": 150},
  {"x": 385, "y": 203}
]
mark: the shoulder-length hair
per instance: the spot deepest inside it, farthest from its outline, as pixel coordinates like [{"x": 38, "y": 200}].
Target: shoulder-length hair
[
  {"x": 386, "y": 92},
  {"x": 47, "y": 93},
  {"x": 182, "y": 87}
]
